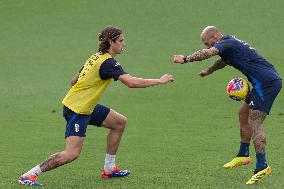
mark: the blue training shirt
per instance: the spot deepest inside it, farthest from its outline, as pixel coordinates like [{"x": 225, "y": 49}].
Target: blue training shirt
[{"x": 245, "y": 58}]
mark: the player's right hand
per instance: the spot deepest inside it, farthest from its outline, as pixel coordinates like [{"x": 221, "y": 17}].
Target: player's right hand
[
  {"x": 166, "y": 78},
  {"x": 178, "y": 59},
  {"x": 203, "y": 73}
]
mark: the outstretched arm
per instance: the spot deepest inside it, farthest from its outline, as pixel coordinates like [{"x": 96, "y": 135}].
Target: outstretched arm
[
  {"x": 134, "y": 82},
  {"x": 219, "y": 64},
  {"x": 196, "y": 56}
]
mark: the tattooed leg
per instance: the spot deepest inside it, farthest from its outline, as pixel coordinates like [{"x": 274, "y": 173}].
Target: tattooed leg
[
  {"x": 245, "y": 128},
  {"x": 256, "y": 119},
  {"x": 53, "y": 162},
  {"x": 73, "y": 148}
]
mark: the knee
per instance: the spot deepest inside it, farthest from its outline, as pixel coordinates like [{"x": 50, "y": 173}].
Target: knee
[
  {"x": 121, "y": 123},
  {"x": 71, "y": 156},
  {"x": 123, "y": 120}
]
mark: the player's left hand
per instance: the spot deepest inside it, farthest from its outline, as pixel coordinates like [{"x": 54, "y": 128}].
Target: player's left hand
[
  {"x": 179, "y": 59},
  {"x": 203, "y": 73}
]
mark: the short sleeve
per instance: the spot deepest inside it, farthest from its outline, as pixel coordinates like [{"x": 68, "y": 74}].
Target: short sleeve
[
  {"x": 110, "y": 68},
  {"x": 223, "y": 45}
]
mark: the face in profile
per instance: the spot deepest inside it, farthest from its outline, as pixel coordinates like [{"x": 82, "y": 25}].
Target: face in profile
[
  {"x": 118, "y": 45},
  {"x": 208, "y": 41}
]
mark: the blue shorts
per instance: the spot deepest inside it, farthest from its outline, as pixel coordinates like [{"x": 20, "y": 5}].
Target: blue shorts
[
  {"x": 77, "y": 123},
  {"x": 262, "y": 96}
]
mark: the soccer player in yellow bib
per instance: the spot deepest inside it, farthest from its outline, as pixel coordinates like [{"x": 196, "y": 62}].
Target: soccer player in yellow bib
[{"x": 81, "y": 107}]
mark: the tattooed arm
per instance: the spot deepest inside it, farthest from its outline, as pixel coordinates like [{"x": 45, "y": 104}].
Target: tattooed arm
[
  {"x": 219, "y": 64},
  {"x": 201, "y": 55},
  {"x": 196, "y": 56}
]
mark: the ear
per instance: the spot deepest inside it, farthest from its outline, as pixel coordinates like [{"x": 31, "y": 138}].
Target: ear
[{"x": 110, "y": 43}]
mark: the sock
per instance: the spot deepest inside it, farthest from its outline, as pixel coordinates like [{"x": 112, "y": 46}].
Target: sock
[
  {"x": 244, "y": 150},
  {"x": 260, "y": 161},
  {"x": 34, "y": 171},
  {"x": 109, "y": 162}
]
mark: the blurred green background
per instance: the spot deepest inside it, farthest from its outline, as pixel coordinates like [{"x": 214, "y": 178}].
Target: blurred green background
[{"x": 178, "y": 135}]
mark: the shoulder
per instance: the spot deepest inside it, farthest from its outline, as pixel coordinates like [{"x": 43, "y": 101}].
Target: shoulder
[
  {"x": 110, "y": 68},
  {"x": 226, "y": 39},
  {"x": 226, "y": 42},
  {"x": 110, "y": 63}
]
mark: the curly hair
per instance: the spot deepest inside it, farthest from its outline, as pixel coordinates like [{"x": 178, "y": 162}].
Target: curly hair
[{"x": 110, "y": 33}]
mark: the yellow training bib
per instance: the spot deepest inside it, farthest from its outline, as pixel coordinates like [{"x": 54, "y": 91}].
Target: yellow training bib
[{"x": 84, "y": 95}]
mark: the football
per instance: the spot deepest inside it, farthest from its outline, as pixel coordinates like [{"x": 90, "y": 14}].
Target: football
[{"x": 238, "y": 89}]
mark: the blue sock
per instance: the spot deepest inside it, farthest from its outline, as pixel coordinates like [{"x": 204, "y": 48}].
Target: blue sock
[
  {"x": 260, "y": 161},
  {"x": 244, "y": 150}
]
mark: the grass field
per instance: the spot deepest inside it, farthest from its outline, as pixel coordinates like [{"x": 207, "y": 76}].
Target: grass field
[{"x": 178, "y": 135}]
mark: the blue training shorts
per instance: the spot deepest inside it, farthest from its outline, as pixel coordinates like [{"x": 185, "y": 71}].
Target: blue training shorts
[
  {"x": 77, "y": 123},
  {"x": 262, "y": 96}
]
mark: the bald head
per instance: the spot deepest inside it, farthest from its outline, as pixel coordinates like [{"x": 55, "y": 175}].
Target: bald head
[
  {"x": 210, "y": 31},
  {"x": 210, "y": 35}
]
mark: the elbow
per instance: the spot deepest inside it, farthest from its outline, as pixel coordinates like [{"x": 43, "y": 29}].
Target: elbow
[
  {"x": 73, "y": 82},
  {"x": 133, "y": 84}
]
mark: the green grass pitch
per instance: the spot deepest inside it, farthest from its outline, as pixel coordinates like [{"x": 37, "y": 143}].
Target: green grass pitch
[{"x": 178, "y": 135}]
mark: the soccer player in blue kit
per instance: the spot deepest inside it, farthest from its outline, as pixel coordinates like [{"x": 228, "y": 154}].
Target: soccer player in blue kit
[{"x": 266, "y": 84}]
